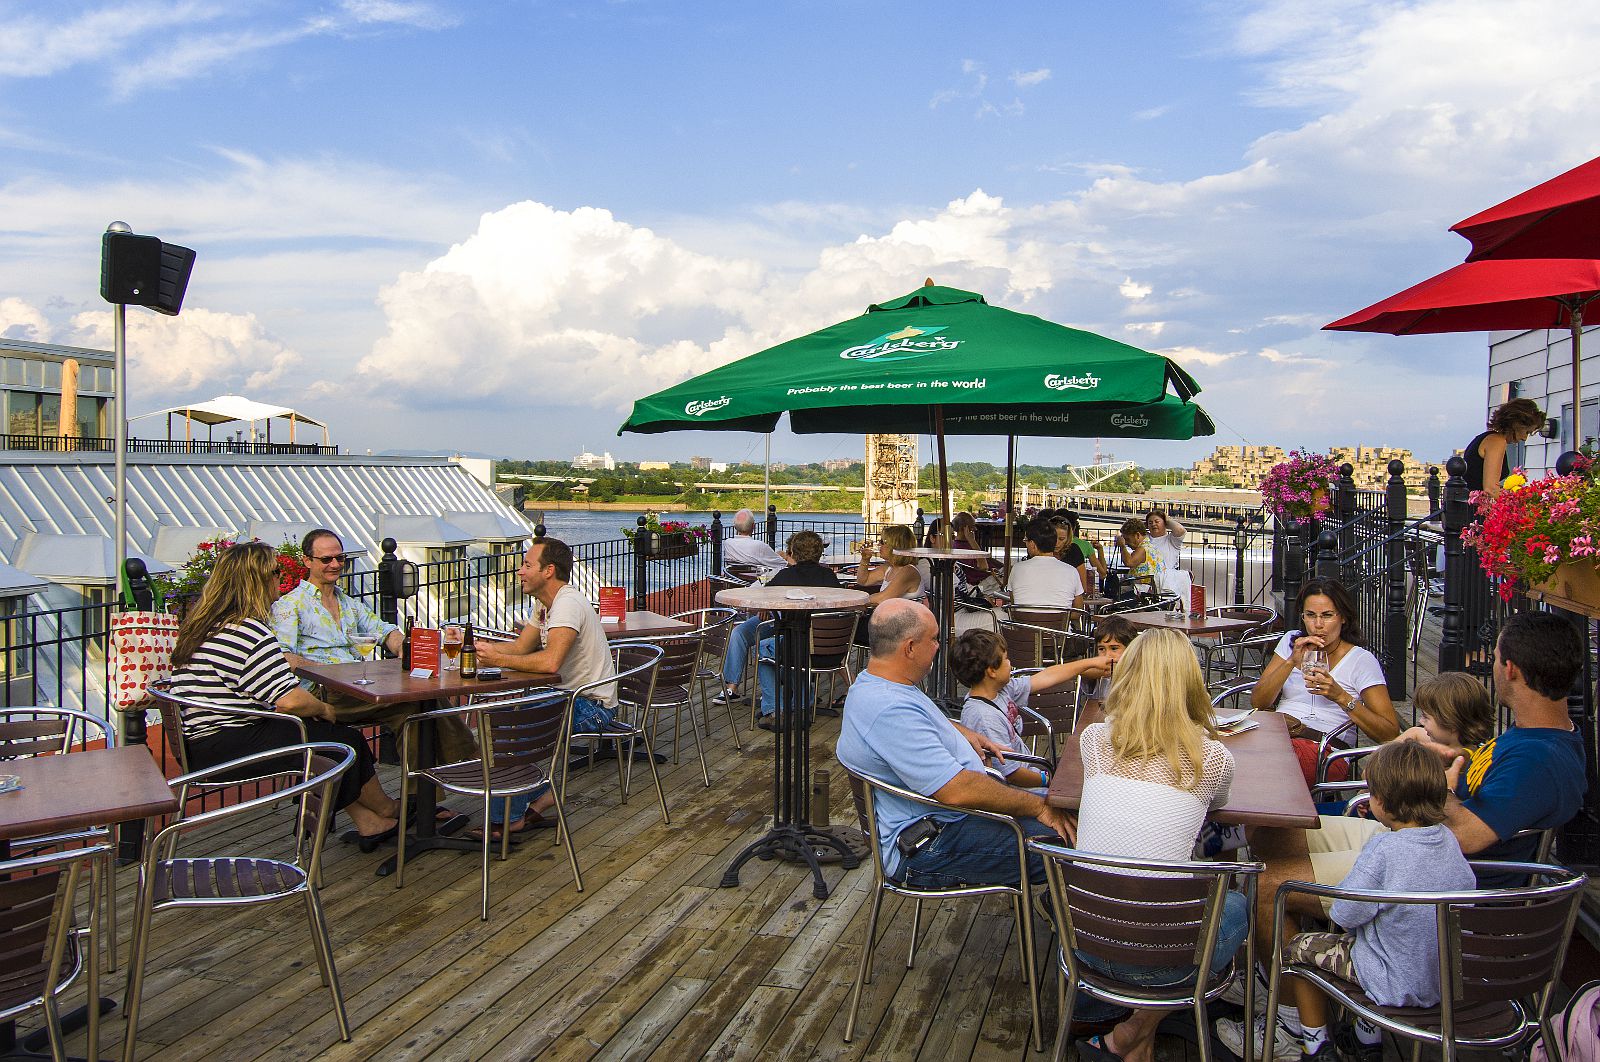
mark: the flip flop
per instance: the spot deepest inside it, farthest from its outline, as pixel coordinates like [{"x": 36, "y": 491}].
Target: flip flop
[{"x": 1097, "y": 1048}]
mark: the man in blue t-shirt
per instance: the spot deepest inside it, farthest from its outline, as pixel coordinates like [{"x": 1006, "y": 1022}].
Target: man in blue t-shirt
[{"x": 894, "y": 733}]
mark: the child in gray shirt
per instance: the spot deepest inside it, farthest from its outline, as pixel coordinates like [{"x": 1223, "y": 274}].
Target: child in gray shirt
[{"x": 1391, "y": 949}]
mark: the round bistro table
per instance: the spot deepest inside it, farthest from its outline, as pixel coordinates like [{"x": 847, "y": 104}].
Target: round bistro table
[{"x": 792, "y": 836}]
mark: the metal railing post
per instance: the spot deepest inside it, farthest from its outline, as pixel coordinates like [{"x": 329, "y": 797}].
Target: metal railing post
[
  {"x": 1345, "y": 508},
  {"x": 642, "y": 542},
  {"x": 388, "y": 592},
  {"x": 1435, "y": 489},
  {"x": 1296, "y": 545},
  {"x": 1325, "y": 554},
  {"x": 1457, "y": 571},
  {"x": 716, "y": 541},
  {"x": 1241, "y": 543},
  {"x": 772, "y": 526},
  {"x": 1395, "y": 629}
]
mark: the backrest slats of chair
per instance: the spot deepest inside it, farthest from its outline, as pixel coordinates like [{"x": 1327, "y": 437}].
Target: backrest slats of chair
[
  {"x": 1024, "y": 644},
  {"x": 1486, "y": 968},
  {"x": 636, "y": 665},
  {"x": 832, "y": 634},
  {"x": 525, "y": 733},
  {"x": 23, "y": 734},
  {"x": 676, "y": 672},
  {"x": 1137, "y": 919},
  {"x": 1059, "y": 706},
  {"x": 858, "y": 792},
  {"x": 26, "y": 908}
]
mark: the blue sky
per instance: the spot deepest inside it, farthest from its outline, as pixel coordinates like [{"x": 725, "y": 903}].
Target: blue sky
[{"x": 489, "y": 225}]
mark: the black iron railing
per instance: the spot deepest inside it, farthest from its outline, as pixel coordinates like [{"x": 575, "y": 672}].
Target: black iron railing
[{"x": 97, "y": 444}]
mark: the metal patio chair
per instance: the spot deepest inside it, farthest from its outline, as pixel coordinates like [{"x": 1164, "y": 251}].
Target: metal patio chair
[
  {"x": 169, "y": 881},
  {"x": 832, "y": 640},
  {"x": 636, "y": 665},
  {"x": 676, "y": 678},
  {"x": 37, "y": 898},
  {"x": 1112, "y": 909},
  {"x": 37, "y": 730},
  {"x": 1500, "y": 958},
  {"x": 865, "y": 790},
  {"x": 715, "y": 625},
  {"x": 519, "y": 735}
]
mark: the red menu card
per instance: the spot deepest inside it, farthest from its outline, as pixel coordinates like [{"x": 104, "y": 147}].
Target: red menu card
[
  {"x": 1197, "y": 600},
  {"x": 613, "y": 604},
  {"x": 425, "y": 648}
]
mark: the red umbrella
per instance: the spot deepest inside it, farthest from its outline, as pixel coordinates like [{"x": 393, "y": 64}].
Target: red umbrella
[
  {"x": 1510, "y": 293},
  {"x": 1557, "y": 219}
]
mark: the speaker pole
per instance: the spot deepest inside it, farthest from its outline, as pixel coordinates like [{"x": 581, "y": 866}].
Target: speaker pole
[{"x": 119, "y": 346}]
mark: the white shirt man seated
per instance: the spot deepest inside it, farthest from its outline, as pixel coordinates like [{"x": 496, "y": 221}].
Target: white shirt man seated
[
  {"x": 1043, "y": 579},
  {"x": 745, "y": 548}
]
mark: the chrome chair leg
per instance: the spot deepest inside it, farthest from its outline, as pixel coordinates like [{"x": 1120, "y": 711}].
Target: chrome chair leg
[
  {"x": 99, "y": 876},
  {"x": 483, "y": 849},
  {"x": 400, "y": 835},
  {"x": 699, "y": 746},
  {"x": 916, "y": 921},
  {"x": 141, "y": 944},
  {"x": 864, "y": 969},
  {"x": 655, "y": 775},
  {"x": 563, "y": 834},
  {"x": 319, "y": 924}
]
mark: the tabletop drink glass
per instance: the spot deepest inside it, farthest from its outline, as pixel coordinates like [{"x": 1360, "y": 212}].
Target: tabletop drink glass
[
  {"x": 363, "y": 644},
  {"x": 450, "y": 645},
  {"x": 1315, "y": 663}
]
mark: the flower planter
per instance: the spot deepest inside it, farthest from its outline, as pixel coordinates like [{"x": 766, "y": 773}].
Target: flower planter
[
  {"x": 671, "y": 547},
  {"x": 180, "y": 604},
  {"x": 1574, "y": 586}
]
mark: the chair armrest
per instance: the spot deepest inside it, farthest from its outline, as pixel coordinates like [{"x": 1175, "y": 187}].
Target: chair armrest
[
  {"x": 340, "y": 755},
  {"x": 263, "y": 713},
  {"x": 936, "y": 805},
  {"x": 1333, "y": 789},
  {"x": 1028, "y": 757}
]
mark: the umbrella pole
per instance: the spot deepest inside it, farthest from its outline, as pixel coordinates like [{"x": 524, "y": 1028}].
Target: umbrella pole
[
  {"x": 1011, "y": 499},
  {"x": 1575, "y": 316},
  {"x": 944, "y": 474}
]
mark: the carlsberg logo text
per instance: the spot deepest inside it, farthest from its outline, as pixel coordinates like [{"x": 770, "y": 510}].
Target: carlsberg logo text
[
  {"x": 695, "y": 409},
  {"x": 1085, "y": 382},
  {"x": 1124, "y": 420}
]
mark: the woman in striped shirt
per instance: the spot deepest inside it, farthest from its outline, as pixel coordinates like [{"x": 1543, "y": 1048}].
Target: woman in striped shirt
[{"x": 227, "y": 654}]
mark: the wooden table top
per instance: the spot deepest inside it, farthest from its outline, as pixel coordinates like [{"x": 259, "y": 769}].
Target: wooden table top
[
  {"x": 392, "y": 686},
  {"x": 1198, "y": 627},
  {"x": 1268, "y": 786},
  {"x": 646, "y": 625},
  {"x": 81, "y": 789},
  {"x": 777, "y": 599}
]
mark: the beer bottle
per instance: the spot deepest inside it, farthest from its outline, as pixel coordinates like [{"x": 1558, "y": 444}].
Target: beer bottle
[
  {"x": 469, "y": 655},
  {"x": 405, "y": 648}
]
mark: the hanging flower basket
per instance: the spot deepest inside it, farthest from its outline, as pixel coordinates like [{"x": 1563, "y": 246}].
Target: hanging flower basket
[
  {"x": 1574, "y": 586},
  {"x": 1297, "y": 488},
  {"x": 672, "y": 546}
]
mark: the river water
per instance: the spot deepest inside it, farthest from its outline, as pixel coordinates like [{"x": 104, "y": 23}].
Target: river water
[{"x": 575, "y": 526}]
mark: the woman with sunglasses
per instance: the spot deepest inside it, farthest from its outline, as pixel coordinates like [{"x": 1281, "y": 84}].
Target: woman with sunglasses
[{"x": 317, "y": 622}]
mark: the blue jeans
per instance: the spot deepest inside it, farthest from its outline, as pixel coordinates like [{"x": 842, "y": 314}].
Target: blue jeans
[
  {"x": 767, "y": 673},
  {"x": 739, "y": 641},
  {"x": 1230, "y": 937},
  {"x": 975, "y": 851},
  {"x": 587, "y": 716}
]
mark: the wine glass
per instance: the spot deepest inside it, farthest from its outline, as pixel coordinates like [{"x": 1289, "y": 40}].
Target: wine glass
[
  {"x": 1315, "y": 663},
  {"x": 363, "y": 644},
  {"x": 450, "y": 645}
]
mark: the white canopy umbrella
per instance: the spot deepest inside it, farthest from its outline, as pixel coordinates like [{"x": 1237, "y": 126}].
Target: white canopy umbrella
[{"x": 230, "y": 409}]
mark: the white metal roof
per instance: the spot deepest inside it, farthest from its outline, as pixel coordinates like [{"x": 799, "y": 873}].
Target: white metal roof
[
  {"x": 419, "y": 530},
  {"x": 488, "y": 526},
  {"x": 71, "y": 494},
  {"x": 14, "y": 582},
  {"x": 77, "y": 560},
  {"x": 176, "y": 543}
]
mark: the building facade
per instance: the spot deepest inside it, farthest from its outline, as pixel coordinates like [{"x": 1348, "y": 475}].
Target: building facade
[
  {"x": 1244, "y": 467},
  {"x": 30, "y": 392},
  {"x": 1538, "y": 365}
]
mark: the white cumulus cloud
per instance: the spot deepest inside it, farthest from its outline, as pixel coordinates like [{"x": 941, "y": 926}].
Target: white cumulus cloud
[
  {"x": 22, "y": 320},
  {"x": 198, "y": 354}
]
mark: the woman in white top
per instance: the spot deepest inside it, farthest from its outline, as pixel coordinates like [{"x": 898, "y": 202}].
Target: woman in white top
[
  {"x": 895, "y": 576},
  {"x": 1163, "y": 539},
  {"x": 1151, "y": 774},
  {"x": 1320, "y": 702}
]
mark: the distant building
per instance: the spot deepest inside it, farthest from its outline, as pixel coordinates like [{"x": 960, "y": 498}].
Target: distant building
[
  {"x": 716, "y": 466},
  {"x": 654, "y": 466},
  {"x": 30, "y": 390},
  {"x": 590, "y": 462},
  {"x": 702, "y": 464},
  {"x": 836, "y": 464},
  {"x": 1244, "y": 467}
]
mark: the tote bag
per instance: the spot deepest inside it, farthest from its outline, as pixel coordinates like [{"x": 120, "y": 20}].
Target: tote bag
[{"x": 141, "y": 653}]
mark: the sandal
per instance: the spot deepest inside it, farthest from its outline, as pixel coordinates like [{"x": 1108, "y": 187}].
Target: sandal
[
  {"x": 531, "y": 820},
  {"x": 1097, "y": 1048}
]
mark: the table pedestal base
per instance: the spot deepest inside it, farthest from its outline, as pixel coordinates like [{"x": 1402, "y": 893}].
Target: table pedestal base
[
  {"x": 37, "y": 1044},
  {"x": 797, "y": 843},
  {"x": 440, "y": 838},
  {"x": 831, "y": 852}
]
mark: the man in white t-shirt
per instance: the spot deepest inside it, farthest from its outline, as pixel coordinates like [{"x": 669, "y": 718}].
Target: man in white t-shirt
[
  {"x": 745, "y": 548},
  {"x": 1043, "y": 578},
  {"x": 564, "y": 636}
]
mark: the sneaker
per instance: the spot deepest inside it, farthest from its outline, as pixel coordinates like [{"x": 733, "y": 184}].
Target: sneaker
[
  {"x": 1348, "y": 1047},
  {"x": 728, "y": 697},
  {"x": 1235, "y": 994},
  {"x": 1286, "y": 1046}
]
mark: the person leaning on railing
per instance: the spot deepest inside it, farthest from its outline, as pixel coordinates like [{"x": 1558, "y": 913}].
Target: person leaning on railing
[
  {"x": 228, "y": 655},
  {"x": 1485, "y": 455}
]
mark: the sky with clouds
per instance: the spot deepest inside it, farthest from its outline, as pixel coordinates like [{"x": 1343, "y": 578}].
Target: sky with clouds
[{"x": 490, "y": 224}]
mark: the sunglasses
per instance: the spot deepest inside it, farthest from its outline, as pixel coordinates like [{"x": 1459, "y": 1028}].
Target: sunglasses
[{"x": 335, "y": 558}]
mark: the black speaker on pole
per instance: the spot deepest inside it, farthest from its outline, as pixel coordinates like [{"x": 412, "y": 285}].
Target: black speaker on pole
[{"x": 143, "y": 271}]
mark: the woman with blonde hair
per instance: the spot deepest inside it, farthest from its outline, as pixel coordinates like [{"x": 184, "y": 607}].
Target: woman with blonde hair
[
  {"x": 1151, "y": 774},
  {"x": 227, "y": 654},
  {"x": 896, "y": 576}
]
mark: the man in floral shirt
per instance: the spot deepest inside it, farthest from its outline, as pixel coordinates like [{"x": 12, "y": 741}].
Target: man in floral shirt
[{"x": 315, "y": 623}]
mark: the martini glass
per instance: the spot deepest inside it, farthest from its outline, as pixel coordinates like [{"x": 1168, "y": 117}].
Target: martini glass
[{"x": 363, "y": 644}]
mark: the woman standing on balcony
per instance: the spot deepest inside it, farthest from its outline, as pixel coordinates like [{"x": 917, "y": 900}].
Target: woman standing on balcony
[
  {"x": 1485, "y": 455},
  {"x": 228, "y": 655}
]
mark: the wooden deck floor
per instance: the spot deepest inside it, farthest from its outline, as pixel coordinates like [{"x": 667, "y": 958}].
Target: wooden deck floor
[{"x": 651, "y": 959}]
